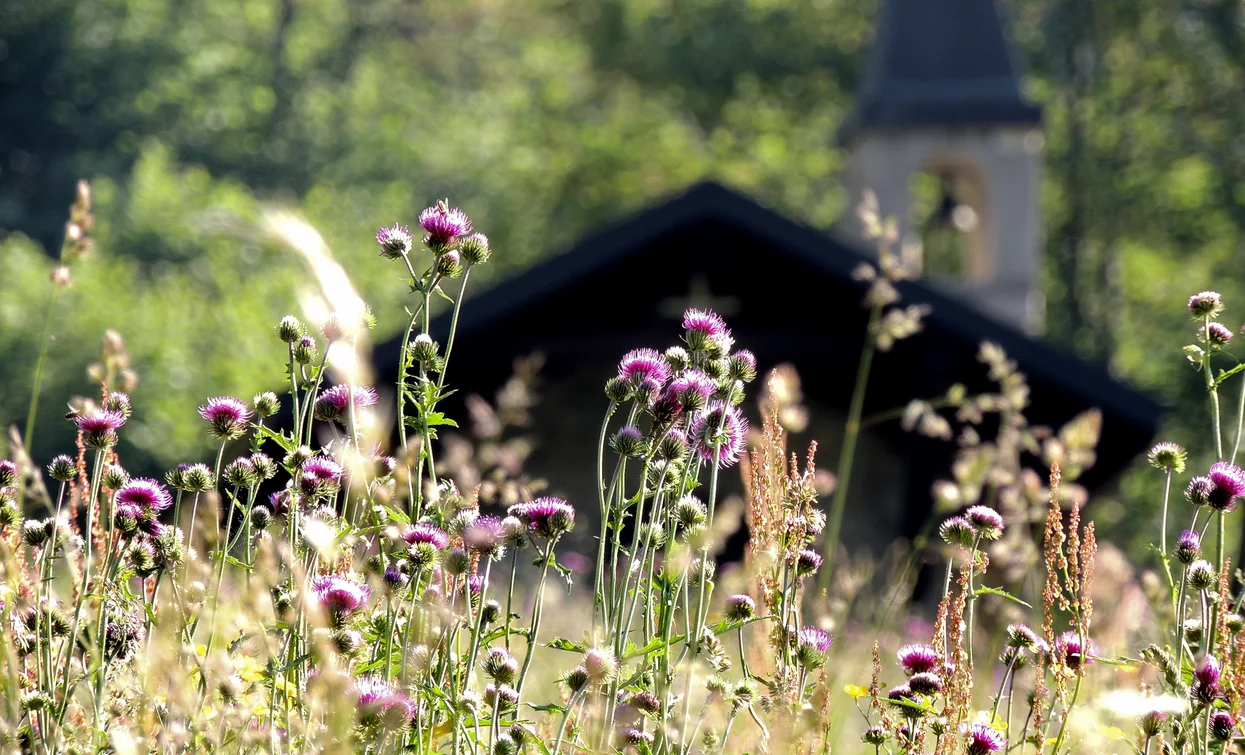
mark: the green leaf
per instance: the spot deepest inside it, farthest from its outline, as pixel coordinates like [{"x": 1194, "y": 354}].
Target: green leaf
[
  {"x": 561, "y": 643},
  {"x": 1001, "y": 593}
]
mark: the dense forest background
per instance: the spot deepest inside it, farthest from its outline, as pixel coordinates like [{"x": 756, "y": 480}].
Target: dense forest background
[{"x": 545, "y": 119}]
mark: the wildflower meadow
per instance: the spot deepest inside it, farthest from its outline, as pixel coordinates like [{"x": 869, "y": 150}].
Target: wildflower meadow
[{"x": 321, "y": 584}]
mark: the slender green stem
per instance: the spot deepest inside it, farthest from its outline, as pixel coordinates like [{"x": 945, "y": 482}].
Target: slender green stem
[
  {"x": 1213, "y": 390},
  {"x": 851, "y": 435},
  {"x": 1240, "y": 422},
  {"x": 82, "y": 592}
]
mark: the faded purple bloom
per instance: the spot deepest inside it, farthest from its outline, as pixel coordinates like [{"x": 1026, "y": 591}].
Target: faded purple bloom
[
  {"x": 485, "y": 536},
  {"x": 981, "y": 739},
  {"x": 1068, "y": 648},
  {"x": 740, "y": 608},
  {"x": 338, "y": 595},
  {"x": 957, "y": 531},
  {"x": 1229, "y": 483},
  {"x": 1188, "y": 547},
  {"x": 812, "y": 647},
  {"x": 645, "y": 702},
  {"x": 503, "y": 696},
  {"x": 322, "y": 470},
  {"x": 426, "y": 533},
  {"x": 720, "y": 433},
  {"x": 1206, "y": 688},
  {"x": 227, "y": 417},
  {"x": 548, "y": 517},
  {"x": 1021, "y": 636},
  {"x": 443, "y": 224},
  {"x": 919, "y": 659},
  {"x": 691, "y": 390},
  {"x": 333, "y": 403},
  {"x": 1205, "y": 304},
  {"x": 99, "y": 428},
  {"x": 395, "y": 242},
  {"x": 635, "y": 736},
  {"x": 379, "y": 702},
  {"x": 1217, "y": 334},
  {"x": 640, "y": 365}
]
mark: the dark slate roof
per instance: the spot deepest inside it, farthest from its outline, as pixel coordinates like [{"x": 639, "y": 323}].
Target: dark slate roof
[
  {"x": 800, "y": 303},
  {"x": 940, "y": 63}
]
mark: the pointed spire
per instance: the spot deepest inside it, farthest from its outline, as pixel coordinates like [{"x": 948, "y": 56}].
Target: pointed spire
[{"x": 940, "y": 63}]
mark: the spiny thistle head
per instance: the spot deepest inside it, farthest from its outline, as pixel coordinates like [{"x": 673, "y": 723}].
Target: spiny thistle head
[
  {"x": 875, "y": 735},
  {"x": 812, "y": 647},
  {"x": 1167, "y": 456},
  {"x": 485, "y": 536},
  {"x": 339, "y": 596},
  {"x": 1199, "y": 490},
  {"x": 227, "y": 417},
  {"x": 600, "y": 665},
  {"x": 1222, "y": 725},
  {"x": 62, "y": 469},
  {"x": 114, "y": 477},
  {"x": 240, "y": 473},
  {"x": 1205, "y": 304},
  {"x": 1069, "y": 649},
  {"x": 926, "y": 683},
  {"x": 305, "y": 350},
  {"x": 1229, "y": 484},
  {"x": 640, "y": 365},
  {"x": 1021, "y": 636},
  {"x": 424, "y": 349},
  {"x": 291, "y": 329},
  {"x": 705, "y": 331},
  {"x": 475, "y": 249},
  {"x": 807, "y": 562},
  {"x": 740, "y": 608},
  {"x": 576, "y": 679},
  {"x": 334, "y": 404},
  {"x": 500, "y": 665},
  {"x": 1216, "y": 335},
  {"x": 99, "y": 428},
  {"x": 1201, "y": 575},
  {"x": 395, "y": 242},
  {"x": 628, "y": 441},
  {"x": 1188, "y": 547},
  {"x": 1206, "y": 686},
  {"x": 456, "y": 561},
  {"x": 1152, "y": 723},
  {"x": 986, "y": 522},
  {"x": 266, "y": 404},
  {"x": 719, "y": 433},
  {"x": 426, "y": 533},
  {"x": 957, "y": 531},
  {"x": 982, "y": 739},
  {"x": 919, "y": 659},
  {"x": 443, "y": 225},
  {"x": 547, "y": 517},
  {"x": 118, "y": 402}
]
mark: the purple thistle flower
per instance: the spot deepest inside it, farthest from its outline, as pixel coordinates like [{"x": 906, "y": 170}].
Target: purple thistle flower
[
  {"x": 705, "y": 322},
  {"x": 8, "y": 472},
  {"x": 145, "y": 495},
  {"x": 1229, "y": 483},
  {"x": 812, "y": 646},
  {"x": 919, "y": 659},
  {"x": 720, "y": 432},
  {"x": 548, "y": 517},
  {"x": 807, "y": 562},
  {"x": 1206, "y": 688},
  {"x": 1199, "y": 490},
  {"x": 1217, "y": 334},
  {"x": 1205, "y": 304},
  {"x": 691, "y": 390},
  {"x": 99, "y": 428},
  {"x": 1222, "y": 725},
  {"x": 227, "y": 417},
  {"x": 986, "y": 521},
  {"x": 635, "y": 736},
  {"x": 1188, "y": 547},
  {"x": 339, "y": 596},
  {"x": 379, "y": 702},
  {"x": 740, "y": 608},
  {"x": 323, "y": 469},
  {"x": 443, "y": 225},
  {"x": 640, "y": 365},
  {"x": 485, "y": 536},
  {"x": 395, "y": 242},
  {"x": 426, "y": 533},
  {"x": 333, "y": 403},
  {"x": 981, "y": 739},
  {"x": 1068, "y": 647}
]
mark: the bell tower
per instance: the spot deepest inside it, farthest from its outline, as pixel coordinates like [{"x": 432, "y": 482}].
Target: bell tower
[{"x": 944, "y": 138}]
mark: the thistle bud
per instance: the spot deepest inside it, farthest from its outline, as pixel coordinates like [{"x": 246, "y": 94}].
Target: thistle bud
[
  {"x": 617, "y": 390},
  {"x": 114, "y": 477},
  {"x": 474, "y": 249},
  {"x": 450, "y": 264},
  {"x": 290, "y": 329},
  {"x": 305, "y": 351},
  {"x": 266, "y": 404},
  {"x": 678, "y": 358},
  {"x": 423, "y": 348},
  {"x": 62, "y": 469}
]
